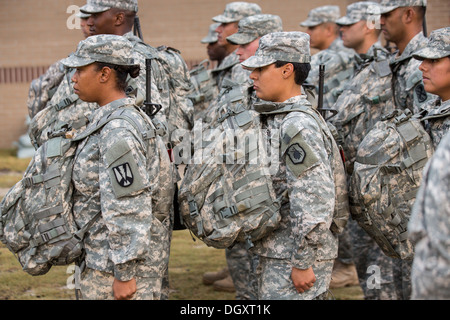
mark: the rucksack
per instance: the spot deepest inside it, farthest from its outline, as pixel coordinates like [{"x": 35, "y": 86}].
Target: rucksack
[
  {"x": 386, "y": 176},
  {"x": 229, "y": 197},
  {"x": 36, "y": 220}
]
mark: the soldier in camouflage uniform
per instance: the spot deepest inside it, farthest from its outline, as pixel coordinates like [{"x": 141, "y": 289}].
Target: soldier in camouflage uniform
[
  {"x": 118, "y": 246},
  {"x": 435, "y": 65},
  {"x": 338, "y": 60},
  {"x": 170, "y": 83},
  {"x": 296, "y": 260},
  {"x": 408, "y": 90},
  {"x": 229, "y": 68},
  {"x": 429, "y": 226},
  {"x": 205, "y": 87},
  {"x": 251, "y": 29},
  {"x": 365, "y": 98},
  {"x": 407, "y": 85},
  {"x": 42, "y": 89}
]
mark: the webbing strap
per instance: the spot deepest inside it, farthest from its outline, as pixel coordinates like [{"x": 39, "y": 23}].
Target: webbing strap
[
  {"x": 251, "y": 193},
  {"x": 49, "y": 212},
  {"x": 247, "y": 179}
]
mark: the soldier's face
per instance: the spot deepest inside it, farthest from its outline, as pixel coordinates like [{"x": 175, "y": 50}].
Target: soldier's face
[
  {"x": 85, "y": 83},
  {"x": 245, "y": 51},
  {"x": 318, "y": 35},
  {"x": 101, "y": 23},
  {"x": 353, "y": 35},
  {"x": 268, "y": 83},
  {"x": 392, "y": 25},
  {"x": 436, "y": 76},
  {"x": 216, "y": 52},
  {"x": 225, "y": 30}
]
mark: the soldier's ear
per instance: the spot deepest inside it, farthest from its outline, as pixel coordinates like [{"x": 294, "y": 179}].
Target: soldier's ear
[
  {"x": 288, "y": 70},
  {"x": 105, "y": 74},
  {"x": 119, "y": 18}
]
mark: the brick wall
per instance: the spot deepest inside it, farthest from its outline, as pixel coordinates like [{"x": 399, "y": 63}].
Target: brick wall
[{"x": 34, "y": 34}]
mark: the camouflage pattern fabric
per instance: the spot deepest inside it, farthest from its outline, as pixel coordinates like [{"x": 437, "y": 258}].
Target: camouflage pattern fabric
[
  {"x": 291, "y": 245},
  {"x": 113, "y": 163},
  {"x": 42, "y": 89},
  {"x": 339, "y": 67},
  {"x": 364, "y": 99},
  {"x": 356, "y": 12},
  {"x": 408, "y": 90},
  {"x": 321, "y": 15},
  {"x": 96, "y": 6},
  {"x": 429, "y": 229},
  {"x": 389, "y": 5},
  {"x": 254, "y": 27},
  {"x": 437, "y": 120},
  {"x": 235, "y": 11},
  {"x": 225, "y": 69}
]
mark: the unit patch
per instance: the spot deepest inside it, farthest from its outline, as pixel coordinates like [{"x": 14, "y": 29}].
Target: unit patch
[
  {"x": 296, "y": 153},
  {"x": 124, "y": 175}
]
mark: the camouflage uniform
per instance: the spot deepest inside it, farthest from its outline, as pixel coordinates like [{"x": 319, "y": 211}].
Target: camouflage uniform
[
  {"x": 229, "y": 68},
  {"x": 303, "y": 238},
  {"x": 429, "y": 225},
  {"x": 205, "y": 88},
  {"x": 429, "y": 228},
  {"x": 119, "y": 244},
  {"x": 365, "y": 98},
  {"x": 241, "y": 264},
  {"x": 407, "y": 84},
  {"x": 437, "y": 113},
  {"x": 338, "y": 59}
]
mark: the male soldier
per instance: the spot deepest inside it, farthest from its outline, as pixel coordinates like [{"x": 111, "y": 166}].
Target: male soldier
[
  {"x": 204, "y": 86},
  {"x": 365, "y": 98},
  {"x": 229, "y": 21},
  {"x": 338, "y": 60},
  {"x": 296, "y": 260},
  {"x": 429, "y": 226},
  {"x": 240, "y": 262},
  {"x": 402, "y": 23}
]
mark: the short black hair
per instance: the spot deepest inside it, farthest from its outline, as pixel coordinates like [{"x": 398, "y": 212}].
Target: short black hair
[{"x": 301, "y": 70}]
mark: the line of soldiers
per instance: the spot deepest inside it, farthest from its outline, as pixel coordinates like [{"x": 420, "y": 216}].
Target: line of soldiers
[{"x": 360, "y": 74}]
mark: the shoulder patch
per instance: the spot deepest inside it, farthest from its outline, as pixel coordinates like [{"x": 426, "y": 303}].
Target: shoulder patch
[
  {"x": 421, "y": 93},
  {"x": 299, "y": 156},
  {"x": 124, "y": 175},
  {"x": 296, "y": 153}
]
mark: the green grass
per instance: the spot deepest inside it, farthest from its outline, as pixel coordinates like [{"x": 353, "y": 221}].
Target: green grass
[{"x": 188, "y": 261}]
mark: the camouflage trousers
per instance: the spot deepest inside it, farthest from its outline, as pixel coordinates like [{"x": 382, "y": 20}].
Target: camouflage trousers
[
  {"x": 275, "y": 283},
  {"x": 242, "y": 266},
  {"x": 97, "y": 285},
  {"x": 380, "y": 277}
]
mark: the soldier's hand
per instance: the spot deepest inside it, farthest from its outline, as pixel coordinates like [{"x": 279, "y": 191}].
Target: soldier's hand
[
  {"x": 124, "y": 290},
  {"x": 303, "y": 279}
]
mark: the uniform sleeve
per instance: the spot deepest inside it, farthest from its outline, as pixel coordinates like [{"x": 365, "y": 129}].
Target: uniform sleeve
[
  {"x": 125, "y": 197},
  {"x": 310, "y": 188}
]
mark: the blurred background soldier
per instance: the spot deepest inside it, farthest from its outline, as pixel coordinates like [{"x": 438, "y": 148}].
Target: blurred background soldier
[
  {"x": 338, "y": 60},
  {"x": 365, "y": 98},
  {"x": 205, "y": 87},
  {"x": 229, "y": 21}
]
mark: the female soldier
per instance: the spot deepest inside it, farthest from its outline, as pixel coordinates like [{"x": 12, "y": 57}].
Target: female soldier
[
  {"x": 296, "y": 260},
  {"x": 429, "y": 226},
  {"x": 110, "y": 176}
]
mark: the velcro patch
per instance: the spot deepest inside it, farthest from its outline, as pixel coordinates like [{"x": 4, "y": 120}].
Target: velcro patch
[{"x": 296, "y": 153}]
